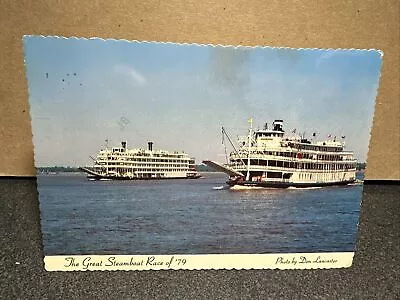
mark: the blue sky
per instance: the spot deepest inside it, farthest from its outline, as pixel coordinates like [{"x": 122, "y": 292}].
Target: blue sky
[{"x": 83, "y": 91}]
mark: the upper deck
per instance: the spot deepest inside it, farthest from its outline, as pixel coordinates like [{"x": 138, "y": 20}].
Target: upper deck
[
  {"x": 123, "y": 151},
  {"x": 275, "y": 139}
]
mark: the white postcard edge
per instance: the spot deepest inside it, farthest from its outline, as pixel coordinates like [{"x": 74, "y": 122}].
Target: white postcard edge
[{"x": 319, "y": 260}]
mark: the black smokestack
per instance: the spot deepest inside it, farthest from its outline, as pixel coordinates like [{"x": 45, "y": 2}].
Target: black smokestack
[
  {"x": 278, "y": 125},
  {"x": 150, "y": 146}
]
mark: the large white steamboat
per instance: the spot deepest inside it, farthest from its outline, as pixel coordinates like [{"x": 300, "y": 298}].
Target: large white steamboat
[
  {"x": 270, "y": 158},
  {"x": 121, "y": 163}
]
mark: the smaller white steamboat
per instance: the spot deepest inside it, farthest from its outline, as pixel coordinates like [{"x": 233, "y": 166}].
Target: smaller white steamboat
[
  {"x": 269, "y": 158},
  {"x": 121, "y": 163}
]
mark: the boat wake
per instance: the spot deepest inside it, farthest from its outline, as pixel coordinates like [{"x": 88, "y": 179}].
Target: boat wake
[
  {"x": 218, "y": 187},
  {"x": 243, "y": 187},
  {"x": 304, "y": 188}
]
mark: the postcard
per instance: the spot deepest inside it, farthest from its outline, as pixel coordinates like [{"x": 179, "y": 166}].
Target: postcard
[{"x": 155, "y": 155}]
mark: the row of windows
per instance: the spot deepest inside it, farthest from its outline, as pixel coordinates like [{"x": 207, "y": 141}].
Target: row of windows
[
  {"x": 318, "y": 175},
  {"x": 298, "y": 165},
  {"x": 145, "y": 165},
  {"x": 310, "y": 176},
  {"x": 317, "y": 148},
  {"x": 120, "y": 152},
  {"x": 300, "y": 155},
  {"x": 269, "y": 134},
  {"x": 121, "y": 171},
  {"x": 144, "y": 159},
  {"x": 257, "y": 175}
]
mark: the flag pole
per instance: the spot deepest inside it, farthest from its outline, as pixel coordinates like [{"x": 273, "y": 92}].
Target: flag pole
[{"x": 249, "y": 147}]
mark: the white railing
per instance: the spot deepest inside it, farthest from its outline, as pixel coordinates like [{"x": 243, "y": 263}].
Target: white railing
[
  {"x": 241, "y": 167},
  {"x": 263, "y": 156}
]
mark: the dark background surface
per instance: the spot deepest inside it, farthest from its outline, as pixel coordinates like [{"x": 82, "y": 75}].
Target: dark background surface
[{"x": 374, "y": 273}]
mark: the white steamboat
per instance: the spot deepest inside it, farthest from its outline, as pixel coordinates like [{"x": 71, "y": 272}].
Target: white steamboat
[
  {"x": 269, "y": 158},
  {"x": 121, "y": 163}
]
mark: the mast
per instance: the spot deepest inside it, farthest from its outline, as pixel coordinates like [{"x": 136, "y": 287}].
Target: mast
[
  {"x": 249, "y": 147},
  {"x": 106, "y": 156}
]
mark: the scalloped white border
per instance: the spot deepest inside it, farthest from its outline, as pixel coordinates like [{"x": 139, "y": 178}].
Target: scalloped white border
[
  {"x": 282, "y": 261},
  {"x": 200, "y": 44}
]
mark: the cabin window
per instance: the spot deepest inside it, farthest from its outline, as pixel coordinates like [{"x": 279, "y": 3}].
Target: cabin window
[{"x": 274, "y": 174}]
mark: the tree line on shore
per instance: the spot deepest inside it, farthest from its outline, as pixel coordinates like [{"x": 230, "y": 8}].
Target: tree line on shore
[{"x": 57, "y": 169}]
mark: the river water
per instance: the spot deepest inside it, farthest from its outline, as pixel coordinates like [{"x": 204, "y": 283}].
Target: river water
[{"x": 196, "y": 216}]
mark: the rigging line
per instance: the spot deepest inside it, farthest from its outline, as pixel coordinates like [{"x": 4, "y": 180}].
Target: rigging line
[
  {"x": 229, "y": 139},
  {"x": 223, "y": 143}
]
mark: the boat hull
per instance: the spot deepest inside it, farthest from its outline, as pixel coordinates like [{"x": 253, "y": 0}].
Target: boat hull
[
  {"x": 283, "y": 185},
  {"x": 93, "y": 175},
  {"x": 138, "y": 178}
]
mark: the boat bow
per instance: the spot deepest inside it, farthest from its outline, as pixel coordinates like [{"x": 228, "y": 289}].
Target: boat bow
[{"x": 222, "y": 168}]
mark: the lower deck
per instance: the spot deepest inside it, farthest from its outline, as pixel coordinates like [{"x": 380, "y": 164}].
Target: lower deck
[
  {"x": 299, "y": 176},
  {"x": 95, "y": 173}
]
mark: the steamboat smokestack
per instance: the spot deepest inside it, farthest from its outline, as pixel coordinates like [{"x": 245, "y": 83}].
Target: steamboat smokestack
[
  {"x": 123, "y": 144},
  {"x": 278, "y": 125},
  {"x": 150, "y": 146}
]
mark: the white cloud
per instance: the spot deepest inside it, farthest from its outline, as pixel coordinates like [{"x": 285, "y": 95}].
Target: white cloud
[{"x": 131, "y": 73}]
